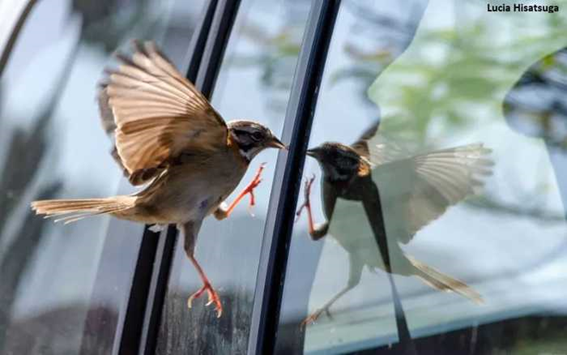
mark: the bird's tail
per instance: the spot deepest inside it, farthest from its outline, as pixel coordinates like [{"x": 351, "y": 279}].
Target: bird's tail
[
  {"x": 69, "y": 211},
  {"x": 444, "y": 282}
]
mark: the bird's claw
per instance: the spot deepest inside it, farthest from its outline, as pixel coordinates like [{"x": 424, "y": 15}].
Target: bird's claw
[
  {"x": 213, "y": 298},
  {"x": 251, "y": 186}
]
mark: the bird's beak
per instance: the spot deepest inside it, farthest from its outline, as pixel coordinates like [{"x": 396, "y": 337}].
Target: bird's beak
[{"x": 276, "y": 143}]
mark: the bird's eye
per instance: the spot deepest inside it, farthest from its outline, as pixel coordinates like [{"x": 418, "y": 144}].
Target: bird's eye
[{"x": 257, "y": 136}]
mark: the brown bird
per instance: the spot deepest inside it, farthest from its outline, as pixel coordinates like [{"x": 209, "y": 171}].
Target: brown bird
[
  {"x": 170, "y": 138},
  {"x": 416, "y": 189}
]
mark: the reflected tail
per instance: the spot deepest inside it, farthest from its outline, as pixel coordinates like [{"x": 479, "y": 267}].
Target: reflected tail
[{"x": 444, "y": 282}]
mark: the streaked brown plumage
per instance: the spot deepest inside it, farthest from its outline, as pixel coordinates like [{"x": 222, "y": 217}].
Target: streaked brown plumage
[
  {"x": 416, "y": 189},
  {"x": 169, "y": 137}
]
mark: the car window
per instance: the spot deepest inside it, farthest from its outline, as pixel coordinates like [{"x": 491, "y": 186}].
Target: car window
[
  {"x": 65, "y": 288},
  {"x": 253, "y": 84},
  {"x": 438, "y": 132}
]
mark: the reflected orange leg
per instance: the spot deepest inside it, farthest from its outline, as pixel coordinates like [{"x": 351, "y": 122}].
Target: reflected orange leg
[
  {"x": 315, "y": 315},
  {"x": 213, "y": 295},
  {"x": 307, "y": 205},
  {"x": 248, "y": 190}
]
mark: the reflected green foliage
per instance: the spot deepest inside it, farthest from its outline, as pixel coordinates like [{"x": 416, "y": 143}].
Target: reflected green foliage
[
  {"x": 365, "y": 67},
  {"x": 451, "y": 73},
  {"x": 537, "y": 105},
  {"x": 457, "y": 77},
  {"x": 389, "y": 34},
  {"x": 276, "y": 50},
  {"x": 276, "y": 58}
]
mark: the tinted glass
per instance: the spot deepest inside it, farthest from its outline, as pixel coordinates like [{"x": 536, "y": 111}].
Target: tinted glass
[
  {"x": 487, "y": 223},
  {"x": 254, "y": 84},
  {"x": 65, "y": 287}
]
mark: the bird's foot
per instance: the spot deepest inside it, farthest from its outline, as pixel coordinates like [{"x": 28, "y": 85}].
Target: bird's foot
[
  {"x": 213, "y": 297},
  {"x": 249, "y": 190}
]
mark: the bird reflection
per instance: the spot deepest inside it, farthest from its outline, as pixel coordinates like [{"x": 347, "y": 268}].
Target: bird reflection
[{"x": 413, "y": 189}]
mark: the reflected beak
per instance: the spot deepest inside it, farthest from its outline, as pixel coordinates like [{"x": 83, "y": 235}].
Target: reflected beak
[
  {"x": 312, "y": 152},
  {"x": 276, "y": 143}
]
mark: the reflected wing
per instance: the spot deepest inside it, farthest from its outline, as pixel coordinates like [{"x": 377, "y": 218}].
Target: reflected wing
[
  {"x": 157, "y": 113},
  {"x": 384, "y": 149},
  {"x": 417, "y": 190},
  {"x": 361, "y": 145},
  {"x": 378, "y": 148}
]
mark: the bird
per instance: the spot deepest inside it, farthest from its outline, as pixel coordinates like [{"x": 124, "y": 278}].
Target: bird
[
  {"x": 170, "y": 141},
  {"x": 415, "y": 189}
]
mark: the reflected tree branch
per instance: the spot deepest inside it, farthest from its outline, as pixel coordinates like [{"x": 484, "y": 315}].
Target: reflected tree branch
[
  {"x": 12, "y": 35},
  {"x": 19, "y": 171}
]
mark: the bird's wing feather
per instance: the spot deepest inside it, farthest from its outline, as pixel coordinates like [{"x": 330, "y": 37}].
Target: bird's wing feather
[
  {"x": 109, "y": 126},
  {"x": 158, "y": 114},
  {"x": 417, "y": 190}
]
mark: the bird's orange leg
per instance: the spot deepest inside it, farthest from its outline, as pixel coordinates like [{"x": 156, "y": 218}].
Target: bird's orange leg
[
  {"x": 213, "y": 295},
  {"x": 307, "y": 205},
  {"x": 222, "y": 213}
]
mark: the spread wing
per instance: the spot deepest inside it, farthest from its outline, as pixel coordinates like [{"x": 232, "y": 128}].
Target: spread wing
[
  {"x": 377, "y": 148},
  {"x": 156, "y": 114},
  {"x": 417, "y": 190},
  {"x": 107, "y": 121}
]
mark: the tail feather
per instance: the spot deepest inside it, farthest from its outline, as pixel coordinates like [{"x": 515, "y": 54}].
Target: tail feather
[
  {"x": 444, "y": 282},
  {"x": 73, "y": 210}
]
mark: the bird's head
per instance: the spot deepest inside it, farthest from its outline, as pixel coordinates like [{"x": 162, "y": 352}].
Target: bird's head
[
  {"x": 252, "y": 137},
  {"x": 339, "y": 162}
]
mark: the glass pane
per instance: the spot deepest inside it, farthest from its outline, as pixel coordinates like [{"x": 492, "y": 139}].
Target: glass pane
[
  {"x": 486, "y": 223},
  {"x": 64, "y": 287},
  {"x": 254, "y": 84}
]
